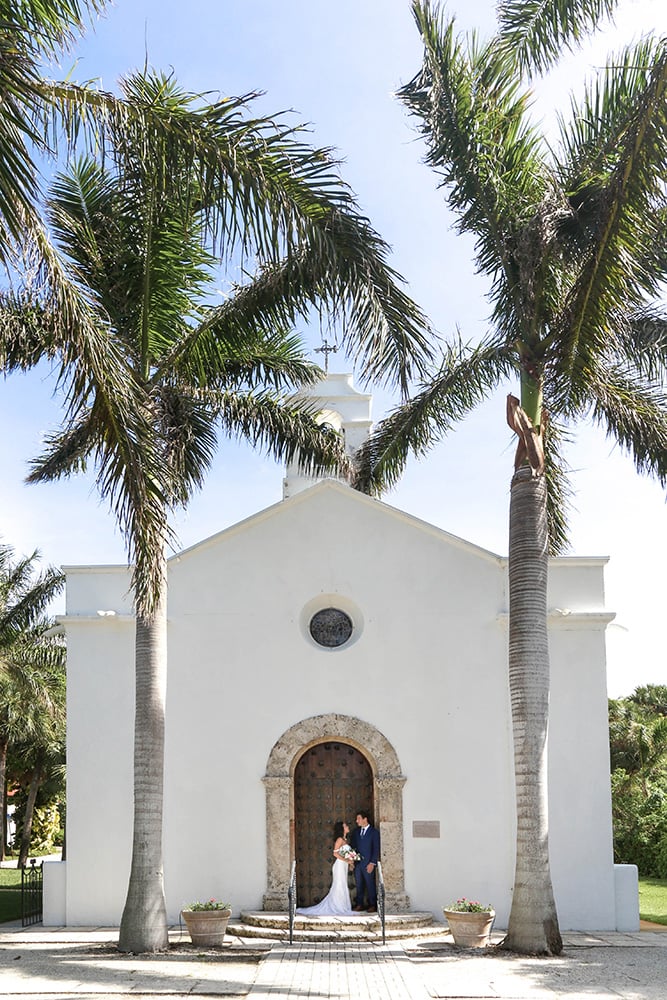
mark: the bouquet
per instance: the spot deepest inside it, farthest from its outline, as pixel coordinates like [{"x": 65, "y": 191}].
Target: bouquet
[{"x": 348, "y": 853}]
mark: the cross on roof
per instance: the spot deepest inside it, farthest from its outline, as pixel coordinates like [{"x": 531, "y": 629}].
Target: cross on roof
[{"x": 326, "y": 349}]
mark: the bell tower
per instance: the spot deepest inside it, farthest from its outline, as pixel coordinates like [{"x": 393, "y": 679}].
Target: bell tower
[{"x": 343, "y": 408}]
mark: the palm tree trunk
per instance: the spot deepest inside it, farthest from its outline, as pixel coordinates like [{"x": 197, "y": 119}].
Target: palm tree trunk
[
  {"x": 26, "y": 833},
  {"x": 533, "y": 923},
  {"x": 143, "y": 925}
]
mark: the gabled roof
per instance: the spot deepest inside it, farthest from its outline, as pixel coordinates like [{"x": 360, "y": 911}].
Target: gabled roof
[{"x": 352, "y": 497}]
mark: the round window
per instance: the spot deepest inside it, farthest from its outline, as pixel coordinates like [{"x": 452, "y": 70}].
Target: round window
[{"x": 331, "y": 627}]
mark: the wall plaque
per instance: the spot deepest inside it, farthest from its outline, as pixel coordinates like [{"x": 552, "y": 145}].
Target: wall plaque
[{"x": 426, "y": 828}]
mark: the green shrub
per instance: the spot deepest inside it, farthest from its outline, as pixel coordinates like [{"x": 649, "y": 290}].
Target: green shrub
[
  {"x": 46, "y": 830},
  {"x": 640, "y": 825}
]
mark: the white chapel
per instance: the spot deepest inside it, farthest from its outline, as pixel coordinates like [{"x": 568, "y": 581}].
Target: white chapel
[{"x": 330, "y": 654}]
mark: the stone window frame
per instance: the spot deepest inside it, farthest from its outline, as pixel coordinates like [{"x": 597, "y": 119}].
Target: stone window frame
[{"x": 388, "y": 781}]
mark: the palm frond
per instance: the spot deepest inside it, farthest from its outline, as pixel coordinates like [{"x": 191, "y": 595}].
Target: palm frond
[
  {"x": 466, "y": 376},
  {"x": 234, "y": 351},
  {"x": 537, "y": 31},
  {"x": 24, "y": 597},
  {"x": 66, "y": 451},
  {"x": 30, "y": 30},
  {"x": 347, "y": 279},
  {"x": 473, "y": 115},
  {"x": 287, "y": 431},
  {"x": 559, "y": 489},
  {"x": 24, "y": 323},
  {"x": 74, "y": 329},
  {"x": 19, "y": 80},
  {"x": 186, "y": 425},
  {"x": 113, "y": 430},
  {"x": 129, "y": 475},
  {"x": 245, "y": 340},
  {"x": 644, "y": 339},
  {"x": 50, "y": 26},
  {"x": 634, "y": 413},
  {"x": 614, "y": 172}
]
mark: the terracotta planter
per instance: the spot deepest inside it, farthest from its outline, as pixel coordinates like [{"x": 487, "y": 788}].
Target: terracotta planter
[
  {"x": 206, "y": 927},
  {"x": 470, "y": 930}
]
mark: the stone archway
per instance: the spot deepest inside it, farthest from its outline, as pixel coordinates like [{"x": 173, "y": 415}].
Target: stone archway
[{"x": 278, "y": 782}]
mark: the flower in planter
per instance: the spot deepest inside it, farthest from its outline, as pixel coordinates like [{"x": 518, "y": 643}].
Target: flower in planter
[
  {"x": 209, "y": 904},
  {"x": 464, "y": 905}
]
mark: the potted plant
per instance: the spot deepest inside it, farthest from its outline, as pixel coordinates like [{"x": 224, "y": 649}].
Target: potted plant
[
  {"x": 469, "y": 922},
  {"x": 207, "y": 921}
]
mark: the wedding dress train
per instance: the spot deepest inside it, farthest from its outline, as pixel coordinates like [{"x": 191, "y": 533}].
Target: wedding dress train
[{"x": 337, "y": 902}]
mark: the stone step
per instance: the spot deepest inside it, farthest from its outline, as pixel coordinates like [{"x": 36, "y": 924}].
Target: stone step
[{"x": 364, "y": 927}]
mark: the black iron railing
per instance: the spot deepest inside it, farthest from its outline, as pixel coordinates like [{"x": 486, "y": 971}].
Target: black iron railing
[
  {"x": 291, "y": 901},
  {"x": 381, "y": 900},
  {"x": 32, "y": 893}
]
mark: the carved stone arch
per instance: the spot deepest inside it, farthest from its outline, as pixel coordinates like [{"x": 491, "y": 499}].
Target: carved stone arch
[{"x": 279, "y": 785}]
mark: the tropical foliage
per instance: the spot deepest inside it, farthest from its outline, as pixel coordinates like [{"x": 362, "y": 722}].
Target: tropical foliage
[
  {"x": 571, "y": 237},
  {"x": 32, "y": 681},
  {"x": 30, "y": 32},
  {"x": 638, "y": 745}
]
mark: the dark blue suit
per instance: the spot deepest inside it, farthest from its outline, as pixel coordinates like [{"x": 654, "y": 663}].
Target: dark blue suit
[{"x": 368, "y": 846}]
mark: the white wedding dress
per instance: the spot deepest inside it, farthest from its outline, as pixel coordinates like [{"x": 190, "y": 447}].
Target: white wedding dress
[{"x": 336, "y": 903}]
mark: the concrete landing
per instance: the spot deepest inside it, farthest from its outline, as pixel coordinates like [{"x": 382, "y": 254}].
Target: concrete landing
[{"x": 268, "y": 926}]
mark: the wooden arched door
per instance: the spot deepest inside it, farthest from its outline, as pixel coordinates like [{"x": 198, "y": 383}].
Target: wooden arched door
[{"x": 332, "y": 781}]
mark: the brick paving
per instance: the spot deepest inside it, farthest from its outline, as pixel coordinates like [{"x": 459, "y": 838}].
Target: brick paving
[
  {"x": 594, "y": 967},
  {"x": 84, "y": 964},
  {"x": 337, "y": 970}
]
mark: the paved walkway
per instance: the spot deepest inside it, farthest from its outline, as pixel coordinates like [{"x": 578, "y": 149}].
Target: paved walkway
[{"x": 68, "y": 964}]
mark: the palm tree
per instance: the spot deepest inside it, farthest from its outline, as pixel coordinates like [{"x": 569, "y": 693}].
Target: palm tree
[
  {"x": 31, "y": 658},
  {"x": 573, "y": 242},
  {"x": 143, "y": 236},
  {"x": 650, "y": 699}
]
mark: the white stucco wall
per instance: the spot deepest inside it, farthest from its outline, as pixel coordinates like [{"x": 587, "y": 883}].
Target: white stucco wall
[
  {"x": 427, "y": 668},
  {"x": 261, "y": 672},
  {"x": 100, "y": 738},
  {"x": 579, "y": 787}
]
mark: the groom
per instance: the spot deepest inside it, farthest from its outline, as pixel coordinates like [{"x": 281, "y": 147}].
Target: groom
[{"x": 365, "y": 840}]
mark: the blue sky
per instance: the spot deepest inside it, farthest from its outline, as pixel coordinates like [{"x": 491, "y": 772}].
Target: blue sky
[{"x": 337, "y": 66}]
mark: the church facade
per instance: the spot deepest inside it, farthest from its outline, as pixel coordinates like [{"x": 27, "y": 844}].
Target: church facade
[{"x": 326, "y": 655}]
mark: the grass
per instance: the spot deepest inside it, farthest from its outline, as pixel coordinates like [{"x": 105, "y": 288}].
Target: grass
[
  {"x": 653, "y": 900},
  {"x": 10, "y": 894}
]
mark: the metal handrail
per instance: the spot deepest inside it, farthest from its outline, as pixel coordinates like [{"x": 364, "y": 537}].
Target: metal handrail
[
  {"x": 381, "y": 900},
  {"x": 291, "y": 901}
]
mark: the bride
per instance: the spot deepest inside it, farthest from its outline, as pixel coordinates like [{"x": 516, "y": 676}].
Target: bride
[{"x": 336, "y": 903}]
